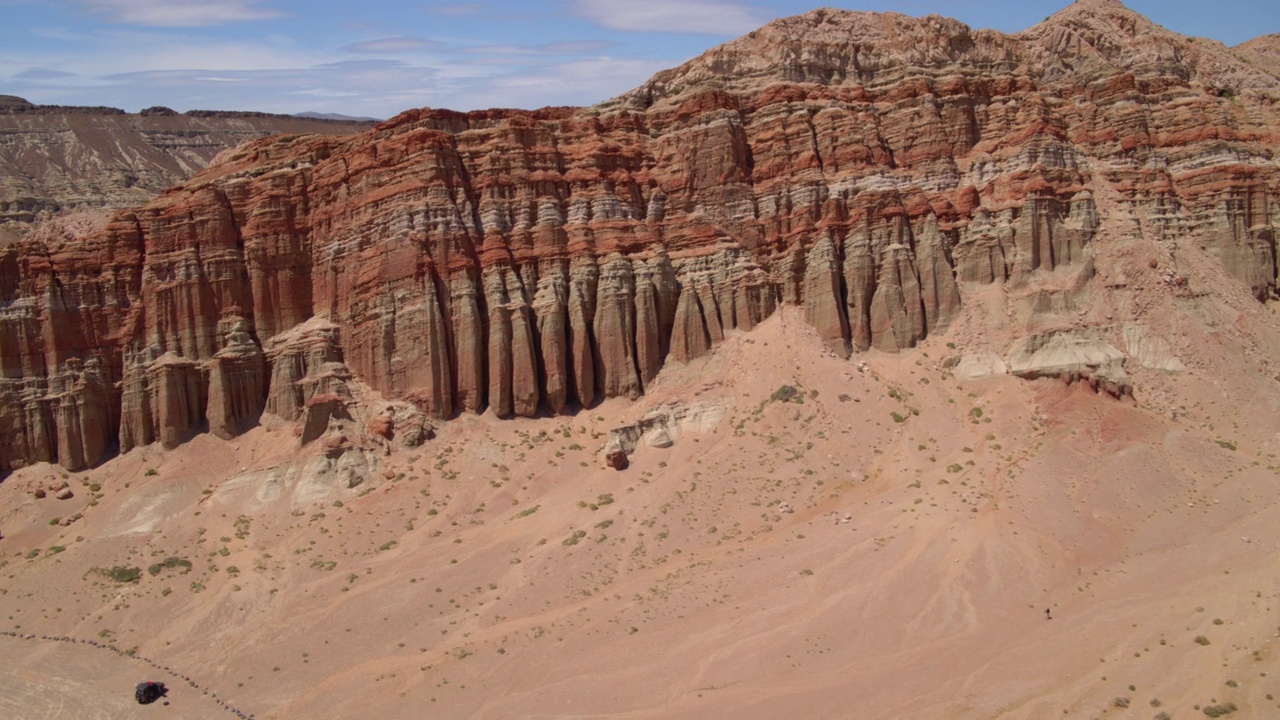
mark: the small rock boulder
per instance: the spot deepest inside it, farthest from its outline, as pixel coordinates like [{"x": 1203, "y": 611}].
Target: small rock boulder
[
  {"x": 617, "y": 459},
  {"x": 381, "y": 425},
  {"x": 412, "y": 429}
]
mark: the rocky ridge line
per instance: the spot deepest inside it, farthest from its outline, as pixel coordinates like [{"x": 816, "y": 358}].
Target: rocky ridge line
[{"x": 55, "y": 159}]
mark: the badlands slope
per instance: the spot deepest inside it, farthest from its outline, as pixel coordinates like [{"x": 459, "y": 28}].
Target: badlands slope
[{"x": 502, "y": 570}]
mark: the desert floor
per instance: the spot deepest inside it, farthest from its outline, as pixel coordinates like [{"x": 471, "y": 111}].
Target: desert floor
[{"x": 880, "y": 541}]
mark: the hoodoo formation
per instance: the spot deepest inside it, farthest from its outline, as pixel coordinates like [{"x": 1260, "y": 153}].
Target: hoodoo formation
[{"x": 872, "y": 169}]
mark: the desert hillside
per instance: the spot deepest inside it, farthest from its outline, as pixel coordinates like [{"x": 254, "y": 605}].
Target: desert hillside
[
  {"x": 866, "y": 366},
  {"x": 879, "y": 539}
]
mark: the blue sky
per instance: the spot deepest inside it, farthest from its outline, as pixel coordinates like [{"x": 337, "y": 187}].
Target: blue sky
[{"x": 377, "y": 57}]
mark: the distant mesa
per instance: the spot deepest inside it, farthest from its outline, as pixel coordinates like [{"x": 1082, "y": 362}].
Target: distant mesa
[
  {"x": 15, "y": 104},
  {"x": 335, "y": 116},
  {"x": 61, "y": 159}
]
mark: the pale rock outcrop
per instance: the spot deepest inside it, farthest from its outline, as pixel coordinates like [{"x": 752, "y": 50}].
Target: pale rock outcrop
[
  {"x": 1150, "y": 350},
  {"x": 662, "y": 426},
  {"x": 297, "y": 358},
  {"x": 551, "y": 308},
  {"x": 978, "y": 365},
  {"x": 822, "y": 296},
  {"x": 1071, "y": 356},
  {"x": 237, "y": 384},
  {"x": 319, "y": 412},
  {"x": 614, "y": 331}
]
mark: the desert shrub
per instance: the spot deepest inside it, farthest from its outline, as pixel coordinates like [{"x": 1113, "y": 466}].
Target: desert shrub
[
  {"x": 168, "y": 564},
  {"x": 1220, "y": 710},
  {"x": 787, "y": 393},
  {"x": 121, "y": 573}
]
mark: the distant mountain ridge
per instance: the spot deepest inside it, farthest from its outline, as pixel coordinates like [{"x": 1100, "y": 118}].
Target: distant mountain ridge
[
  {"x": 57, "y": 158},
  {"x": 336, "y": 116}
]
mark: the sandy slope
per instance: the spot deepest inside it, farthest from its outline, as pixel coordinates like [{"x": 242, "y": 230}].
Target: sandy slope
[
  {"x": 54, "y": 680},
  {"x": 502, "y": 571}
]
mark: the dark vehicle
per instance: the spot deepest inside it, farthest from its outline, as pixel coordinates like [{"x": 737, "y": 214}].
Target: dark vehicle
[{"x": 149, "y": 692}]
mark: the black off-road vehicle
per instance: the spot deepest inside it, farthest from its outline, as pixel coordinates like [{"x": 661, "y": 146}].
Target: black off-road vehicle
[{"x": 149, "y": 692}]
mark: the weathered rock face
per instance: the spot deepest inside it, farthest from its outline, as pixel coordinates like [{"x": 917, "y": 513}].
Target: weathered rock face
[
  {"x": 866, "y": 167},
  {"x": 1072, "y": 356}
]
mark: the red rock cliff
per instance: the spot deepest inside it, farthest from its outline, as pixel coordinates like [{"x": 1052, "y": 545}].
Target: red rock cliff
[{"x": 866, "y": 167}]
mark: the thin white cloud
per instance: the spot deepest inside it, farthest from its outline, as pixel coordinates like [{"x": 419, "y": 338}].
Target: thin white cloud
[
  {"x": 391, "y": 45},
  {"x": 579, "y": 82},
  {"x": 462, "y": 8},
  {"x": 568, "y": 47},
  {"x": 710, "y": 17},
  {"x": 137, "y": 51},
  {"x": 105, "y": 58},
  {"x": 43, "y": 74},
  {"x": 179, "y": 13},
  {"x": 135, "y": 68}
]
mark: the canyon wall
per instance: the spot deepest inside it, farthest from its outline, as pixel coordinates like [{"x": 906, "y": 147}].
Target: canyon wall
[{"x": 867, "y": 168}]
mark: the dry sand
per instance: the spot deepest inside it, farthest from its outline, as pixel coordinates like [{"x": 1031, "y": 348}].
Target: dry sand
[{"x": 503, "y": 571}]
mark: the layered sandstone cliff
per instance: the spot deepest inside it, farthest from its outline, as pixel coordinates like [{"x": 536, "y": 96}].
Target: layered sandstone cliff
[{"x": 872, "y": 169}]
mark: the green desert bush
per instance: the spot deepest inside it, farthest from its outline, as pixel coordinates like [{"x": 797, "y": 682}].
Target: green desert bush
[
  {"x": 121, "y": 573},
  {"x": 170, "y": 563}
]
